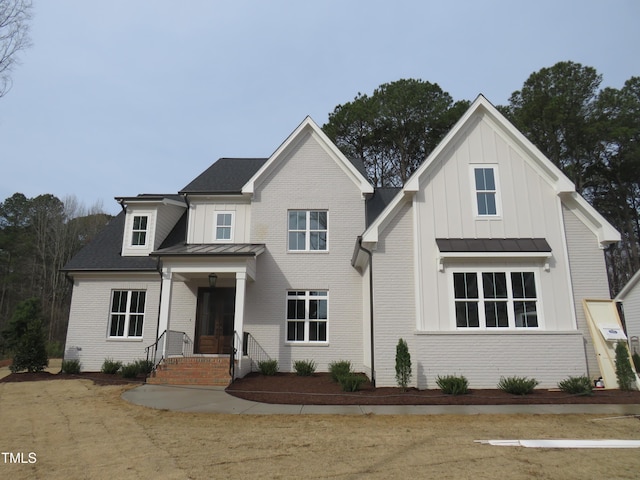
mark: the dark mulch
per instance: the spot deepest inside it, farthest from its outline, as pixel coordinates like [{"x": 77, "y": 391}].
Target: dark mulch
[
  {"x": 319, "y": 389},
  {"x": 97, "y": 377}
]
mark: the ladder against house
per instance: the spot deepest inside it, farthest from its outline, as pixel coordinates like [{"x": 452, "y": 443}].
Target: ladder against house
[{"x": 197, "y": 370}]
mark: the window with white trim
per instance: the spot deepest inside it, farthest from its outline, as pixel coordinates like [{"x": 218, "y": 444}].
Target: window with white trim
[
  {"x": 500, "y": 299},
  {"x": 224, "y": 226},
  {"x": 127, "y": 313},
  {"x": 486, "y": 191},
  {"x": 139, "y": 230},
  {"x": 307, "y": 316},
  {"x": 308, "y": 230}
]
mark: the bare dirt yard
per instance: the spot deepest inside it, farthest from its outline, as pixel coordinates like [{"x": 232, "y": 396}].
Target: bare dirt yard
[{"x": 77, "y": 429}]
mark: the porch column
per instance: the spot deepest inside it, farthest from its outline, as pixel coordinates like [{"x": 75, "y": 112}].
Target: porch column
[
  {"x": 238, "y": 321},
  {"x": 165, "y": 305}
]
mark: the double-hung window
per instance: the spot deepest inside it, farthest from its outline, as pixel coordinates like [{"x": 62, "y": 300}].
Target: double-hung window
[
  {"x": 489, "y": 300},
  {"x": 139, "y": 230},
  {"x": 307, "y": 316},
  {"x": 486, "y": 191},
  {"x": 127, "y": 313},
  {"x": 224, "y": 226},
  {"x": 308, "y": 230}
]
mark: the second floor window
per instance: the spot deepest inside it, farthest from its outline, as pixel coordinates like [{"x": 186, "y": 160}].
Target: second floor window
[
  {"x": 224, "y": 226},
  {"x": 486, "y": 191},
  {"x": 139, "y": 231},
  {"x": 308, "y": 230}
]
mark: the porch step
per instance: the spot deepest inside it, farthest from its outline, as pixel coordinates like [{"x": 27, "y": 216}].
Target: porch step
[{"x": 213, "y": 371}]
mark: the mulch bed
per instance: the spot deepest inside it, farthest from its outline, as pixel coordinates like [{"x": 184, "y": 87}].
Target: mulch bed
[
  {"x": 97, "y": 377},
  {"x": 319, "y": 389}
]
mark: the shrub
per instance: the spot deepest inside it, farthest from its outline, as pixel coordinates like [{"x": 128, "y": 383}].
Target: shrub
[
  {"x": 144, "y": 366},
  {"x": 453, "y": 385},
  {"x": 403, "y": 364},
  {"x": 130, "y": 370},
  {"x": 110, "y": 366},
  {"x": 71, "y": 366},
  {"x": 304, "y": 368},
  {"x": 351, "y": 382},
  {"x": 24, "y": 336},
  {"x": 636, "y": 361},
  {"x": 577, "y": 385},
  {"x": 268, "y": 367},
  {"x": 517, "y": 385},
  {"x": 624, "y": 373},
  {"x": 339, "y": 369}
]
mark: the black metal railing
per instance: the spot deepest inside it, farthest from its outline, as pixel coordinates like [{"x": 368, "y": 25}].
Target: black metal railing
[
  {"x": 177, "y": 344},
  {"x": 232, "y": 356},
  {"x": 152, "y": 350},
  {"x": 252, "y": 349}
]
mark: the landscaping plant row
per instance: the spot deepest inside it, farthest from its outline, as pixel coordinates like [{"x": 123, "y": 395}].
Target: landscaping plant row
[
  {"x": 340, "y": 371},
  {"x": 112, "y": 367}
]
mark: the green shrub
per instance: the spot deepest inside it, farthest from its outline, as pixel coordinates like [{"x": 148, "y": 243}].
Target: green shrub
[
  {"x": 624, "y": 373},
  {"x": 24, "y": 336},
  {"x": 130, "y": 370},
  {"x": 110, "y": 366},
  {"x": 71, "y": 366},
  {"x": 339, "y": 369},
  {"x": 304, "y": 368},
  {"x": 351, "y": 382},
  {"x": 517, "y": 385},
  {"x": 453, "y": 385},
  {"x": 636, "y": 361},
  {"x": 144, "y": 366},
  {"x": 577, "y": 385},
  {"x": 403, "y": 364},
  {"x": 268, "y": 367}
]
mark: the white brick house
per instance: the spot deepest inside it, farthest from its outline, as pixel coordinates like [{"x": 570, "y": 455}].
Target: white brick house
[{"x": 480, "y": 262}]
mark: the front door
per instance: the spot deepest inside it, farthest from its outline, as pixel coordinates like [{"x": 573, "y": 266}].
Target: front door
[{"x": 214, "y": 320}]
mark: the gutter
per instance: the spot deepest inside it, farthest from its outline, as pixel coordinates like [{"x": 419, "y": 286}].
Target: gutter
[{"x": 370, "y": 254}]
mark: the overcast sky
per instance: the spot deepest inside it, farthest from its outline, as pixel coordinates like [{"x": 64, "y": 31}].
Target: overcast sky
[{"x": 122, "y": 97}]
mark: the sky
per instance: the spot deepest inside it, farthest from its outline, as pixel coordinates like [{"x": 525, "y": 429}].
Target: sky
[{"x": 122, "y": 97}]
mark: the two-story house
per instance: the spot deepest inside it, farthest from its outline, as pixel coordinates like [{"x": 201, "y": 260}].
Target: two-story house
[{"x": 480, "y": 262}]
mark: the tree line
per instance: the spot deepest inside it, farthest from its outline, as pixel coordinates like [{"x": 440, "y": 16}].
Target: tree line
[
  {"x": 38, "y": 236},
  {"x": 591, "y": 134}
]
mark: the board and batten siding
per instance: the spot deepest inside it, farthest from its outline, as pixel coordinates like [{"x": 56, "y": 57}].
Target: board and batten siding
[
  {"x": 588, "y": 277},
  {"x": 308, "y": 178},
  {"x": 88, "y": 331},
  {"x": 202, "y": 220}
]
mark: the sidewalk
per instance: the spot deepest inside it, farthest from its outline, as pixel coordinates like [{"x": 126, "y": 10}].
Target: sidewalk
[{"x": 216, "y": 400}]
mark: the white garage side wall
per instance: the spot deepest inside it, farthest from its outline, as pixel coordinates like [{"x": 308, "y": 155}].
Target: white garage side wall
[
  {"x": 394, "y": 297},
  {"x": 588, "y": 276},
  {"x": 308, "y": 178},
  {"x": 88, "y": 330}
]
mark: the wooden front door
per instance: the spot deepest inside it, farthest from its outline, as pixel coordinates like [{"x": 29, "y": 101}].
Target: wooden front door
[{"x": 214, "y": 320}]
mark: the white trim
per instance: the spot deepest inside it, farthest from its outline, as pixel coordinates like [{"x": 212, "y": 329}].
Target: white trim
[
  {"x": 127, "y": 315},
  {"x": 231, "y": 226},
  {"x": 510, "y": 299},
  {"x": 307, "y": 231},
  {"x": 474, "y": 190},
  {"x": 307, "y": 297},
  {"x": 628, "y": 287}
]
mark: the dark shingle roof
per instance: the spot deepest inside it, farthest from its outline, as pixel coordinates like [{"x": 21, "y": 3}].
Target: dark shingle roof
[
  {"x": 226, "y": 175},
  {"x": 379, "y": 201},
  {"x": 103, "y": 253}
]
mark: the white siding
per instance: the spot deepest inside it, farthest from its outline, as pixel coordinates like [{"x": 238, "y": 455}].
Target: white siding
[
  {"x": 168, "y": 215},
  {"x": 307, "y": 179},
  {"x": 87, "y": 333},
  {"x": 631, "y": 309},
  {"x": 588, "y": 276},
  {"x": 202, "y": 220}
]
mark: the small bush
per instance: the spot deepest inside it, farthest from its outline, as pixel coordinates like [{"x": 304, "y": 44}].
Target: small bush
[
  {"x": 624, "y": 373},
  {"x": 144, "y": 366},
  {"x": 304, "y": 368},
  {"x": 517, "y": 385},
  {"x": 110, "y": 366},
  {"x": 71, "y": 366},
  {"x": 403, "y": 364},
  {"x": 351, "y": 382},
  {"x": 268, "y": 367},
  {"x": 577, "y": 385},
  {"x": 130, "y": 370},
  {"x": 339, "y": 369},
  {"x": 453, "y": 385},
  {"x": 636, "y": 361}
]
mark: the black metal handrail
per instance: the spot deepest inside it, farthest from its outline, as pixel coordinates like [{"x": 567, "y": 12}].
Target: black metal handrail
[
  {"x": 253, "y": 350},
  {"x": 152, "y": 349},
  {"x": 232, "y": 356}
]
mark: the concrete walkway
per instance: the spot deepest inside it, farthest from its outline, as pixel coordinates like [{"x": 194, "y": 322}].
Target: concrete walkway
[{"x": 216, "y": 400}]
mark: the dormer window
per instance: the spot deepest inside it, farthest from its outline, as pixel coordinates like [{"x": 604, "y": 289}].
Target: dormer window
[
  {"x": 486, "y": 189},
  {"x": 139, "y": 231},
  {"x": 224, "y": 226}
]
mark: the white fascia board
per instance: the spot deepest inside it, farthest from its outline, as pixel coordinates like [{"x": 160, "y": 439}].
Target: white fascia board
[
  {"x": 628, "y": 287},
  {"x": 309, "y": 125},
  {"x": 370, "y": 235},
  {"x": 605, "y": 232}
]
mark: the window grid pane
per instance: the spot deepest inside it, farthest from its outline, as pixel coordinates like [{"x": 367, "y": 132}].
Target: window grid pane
[
  {"x": 307, "y": 314},
  {"x": 307, "y": 230}
]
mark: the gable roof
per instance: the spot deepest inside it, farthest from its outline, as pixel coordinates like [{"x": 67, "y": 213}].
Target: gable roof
[
  {"x": 605, "y": 232},
  {"x": 308, "y": 126},
  {"x": 226, "y": 175}
]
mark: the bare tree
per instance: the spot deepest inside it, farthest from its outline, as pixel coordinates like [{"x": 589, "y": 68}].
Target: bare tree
[{"x": 14, "y": 37}]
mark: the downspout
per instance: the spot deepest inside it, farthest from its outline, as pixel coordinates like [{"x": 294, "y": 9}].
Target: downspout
[{"x": 370, "y": 254}]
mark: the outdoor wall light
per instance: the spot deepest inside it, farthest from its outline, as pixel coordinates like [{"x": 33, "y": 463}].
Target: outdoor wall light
[{"x": 213, "y": 278}]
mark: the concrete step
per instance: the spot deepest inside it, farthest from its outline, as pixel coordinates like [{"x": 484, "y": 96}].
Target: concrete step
[{"x": 212, "y": 371}]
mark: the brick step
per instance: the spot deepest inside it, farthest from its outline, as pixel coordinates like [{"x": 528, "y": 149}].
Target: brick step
[{"x": 212, "y": 371}]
